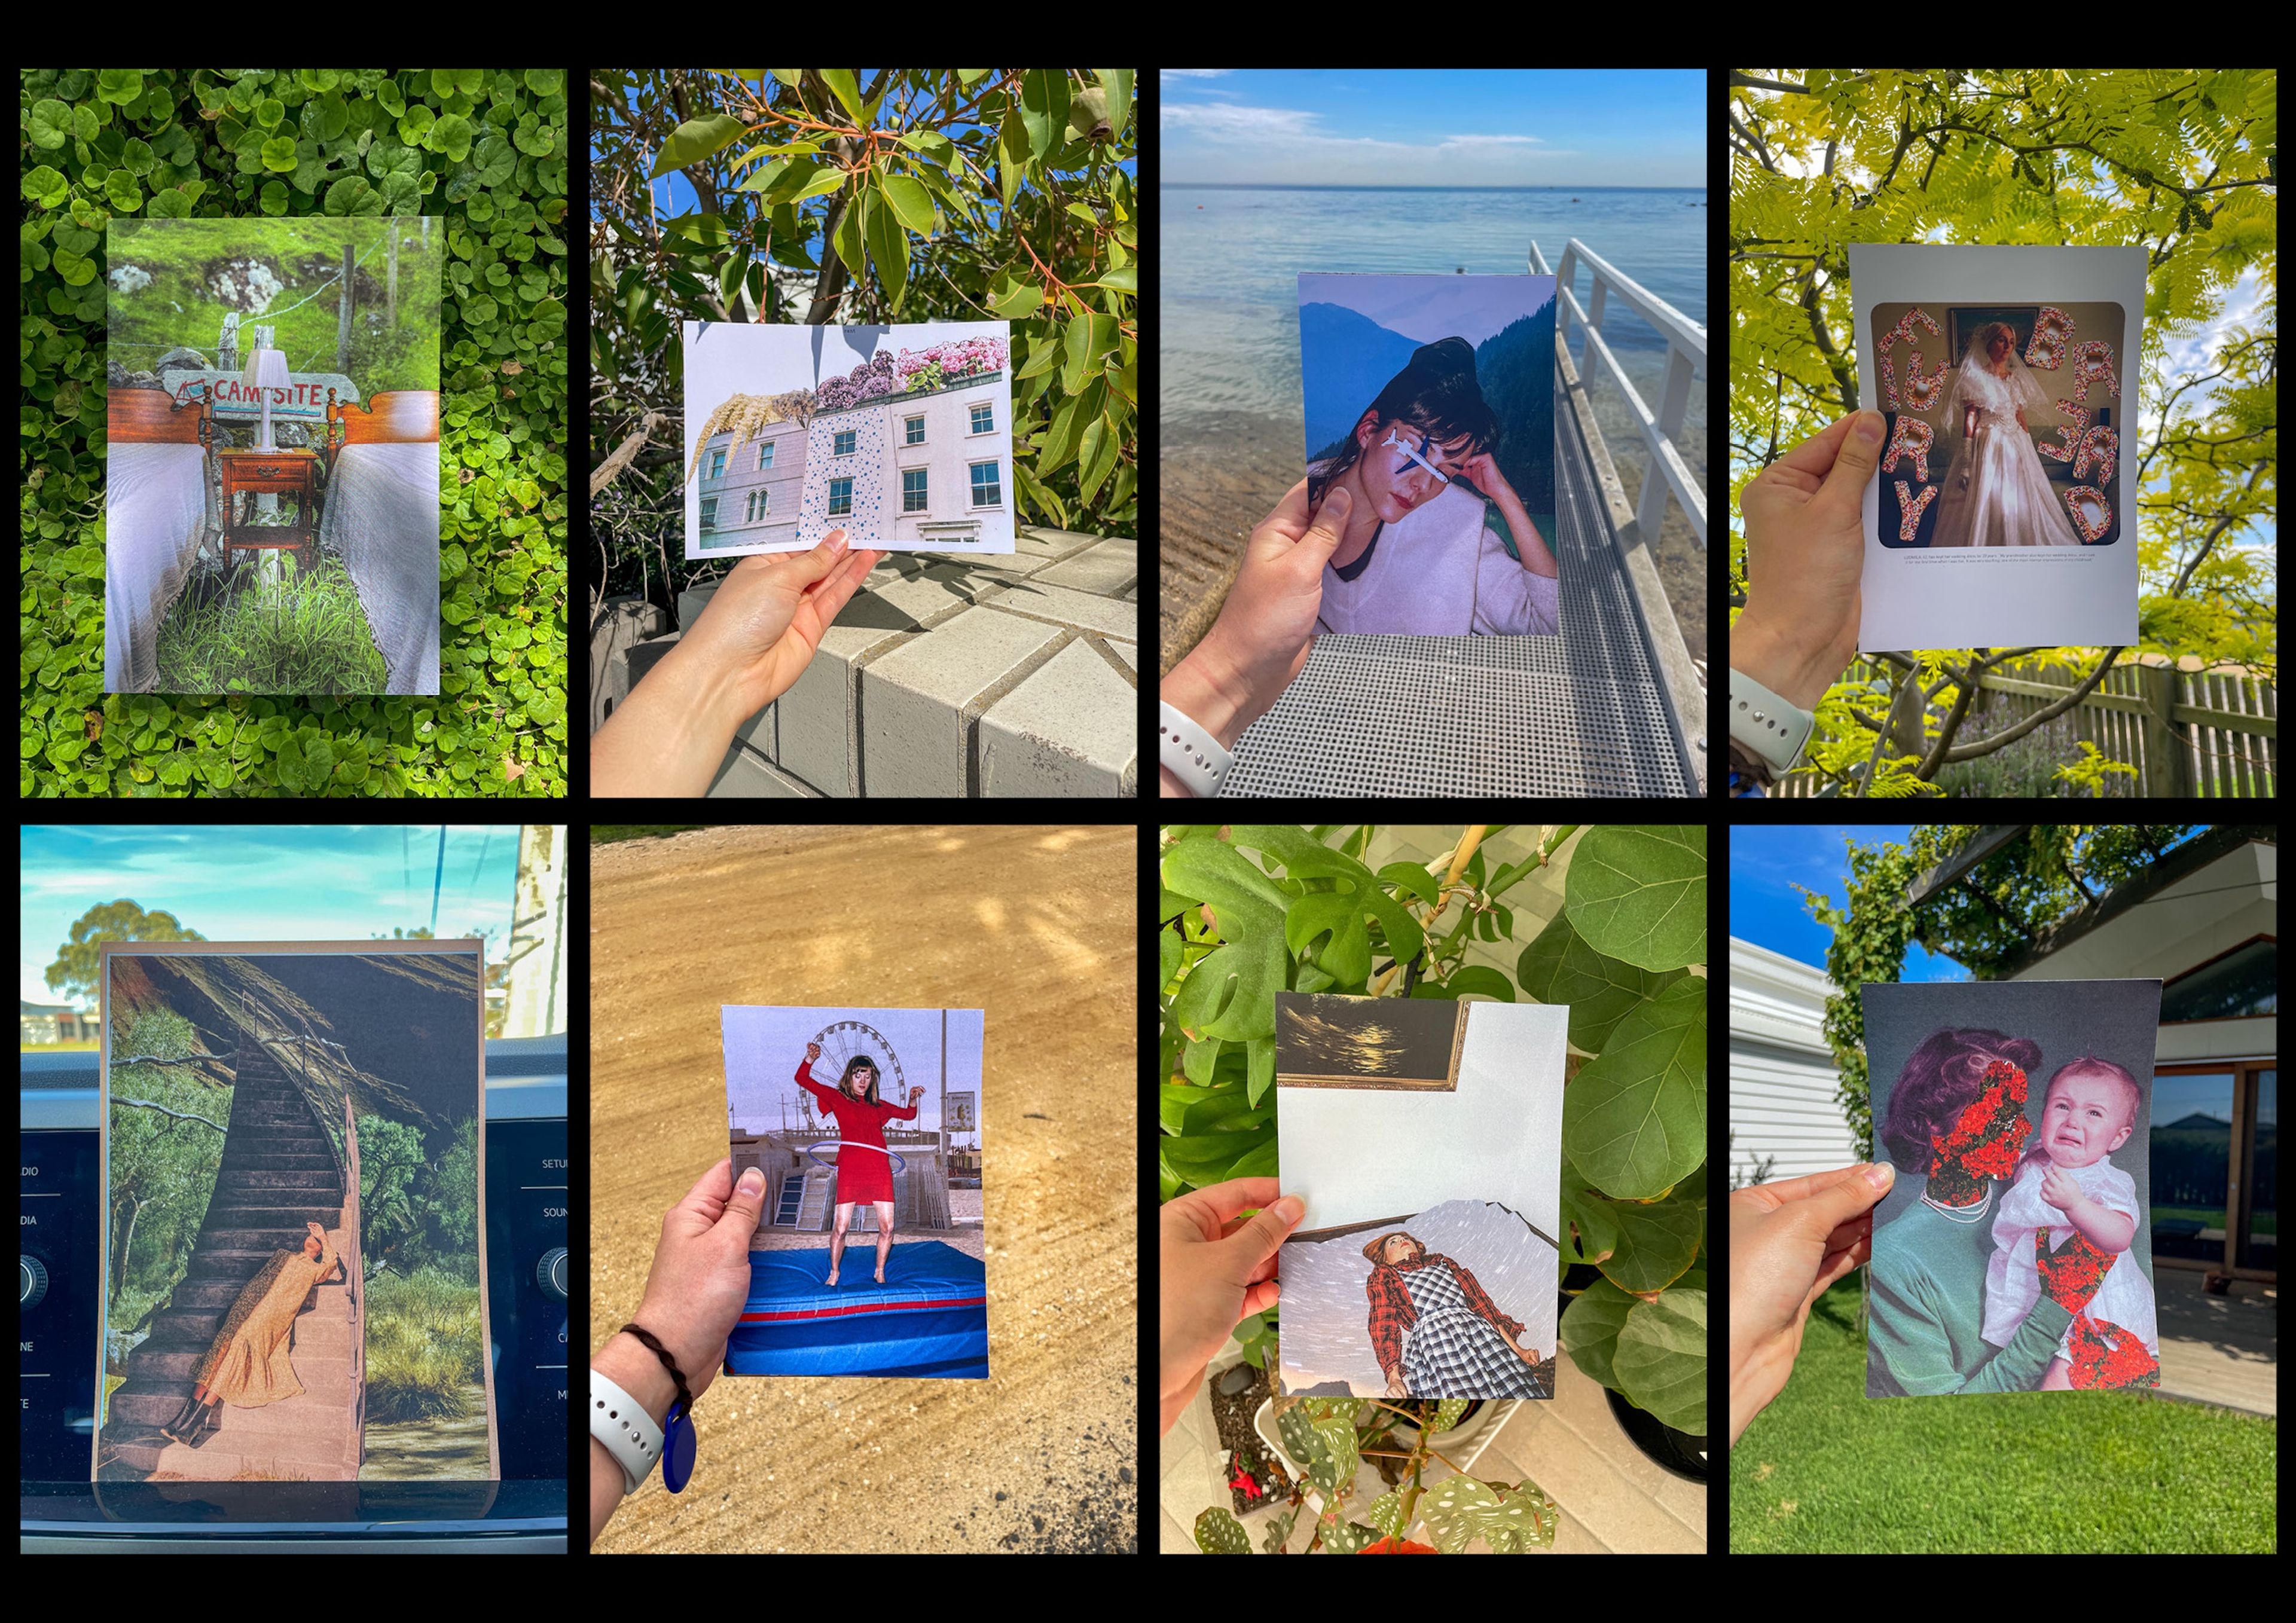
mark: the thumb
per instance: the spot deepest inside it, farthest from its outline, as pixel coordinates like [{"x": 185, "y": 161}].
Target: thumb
[
  {"x": 1853, "y": 462},
  {"x": 1256, "y": 1242},
  {"x": 1837, "y": 1203},
  {"x": 806, "y": 568},
  {"x": 1331, "y": 523},
  {"x": 744, "y": 1206}
]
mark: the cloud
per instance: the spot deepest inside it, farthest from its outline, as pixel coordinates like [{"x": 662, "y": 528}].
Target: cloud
[
  {"x": 1292, "y": 143},
  {"x": 1165, "y": 75}
]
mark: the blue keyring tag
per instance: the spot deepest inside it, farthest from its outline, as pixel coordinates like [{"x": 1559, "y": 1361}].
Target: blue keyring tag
[{"x": 677, "y": 1449}]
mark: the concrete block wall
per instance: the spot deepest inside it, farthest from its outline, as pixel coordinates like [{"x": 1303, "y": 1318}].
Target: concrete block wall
[{"x": 948, "y": 675}]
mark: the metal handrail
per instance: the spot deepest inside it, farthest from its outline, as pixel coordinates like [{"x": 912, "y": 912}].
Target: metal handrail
[{"x": 1685, "y": 345}]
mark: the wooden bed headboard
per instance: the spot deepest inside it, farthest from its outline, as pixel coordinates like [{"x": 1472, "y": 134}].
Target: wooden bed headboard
[
  {"x": 395, "y": 416},
  {"x": 150, "y": 416}
]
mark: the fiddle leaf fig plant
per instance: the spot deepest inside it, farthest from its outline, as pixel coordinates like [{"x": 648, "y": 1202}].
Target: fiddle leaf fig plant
[{"x": 1248, "y": 911}]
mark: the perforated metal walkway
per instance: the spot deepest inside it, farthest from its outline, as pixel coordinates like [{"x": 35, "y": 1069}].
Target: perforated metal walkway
[{"x": 1578, "y": 714}]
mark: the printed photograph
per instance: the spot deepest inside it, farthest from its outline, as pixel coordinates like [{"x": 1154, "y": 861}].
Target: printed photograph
[
  {"x": 272, "y": 487},
  {"x": 901, "y": 436},
  {"x": 1369, "y": 1041},
  {"x": 869, "y": 1254},
  {"x": 1457, "y": 1301},
  {"x": 2006, "y": 1257},
  {"x": 1430, "y": 400},
  {"x": 2004, "y": 423},
  {"x": 294, "y": 1288}
]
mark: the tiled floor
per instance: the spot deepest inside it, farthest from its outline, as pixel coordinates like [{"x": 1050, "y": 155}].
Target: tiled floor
[{"x": 1610, "y": 1496}]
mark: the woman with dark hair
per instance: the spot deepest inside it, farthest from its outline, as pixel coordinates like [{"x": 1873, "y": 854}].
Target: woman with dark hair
[
  {"x": 1425, "y": 551},
  {"x": 864, "y": 1166},
  {"x": 1437, "y": 1334},
  {"x": 1956, "y": 1121}
]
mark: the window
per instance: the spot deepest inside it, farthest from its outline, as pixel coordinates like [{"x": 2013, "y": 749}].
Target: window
[
  {"x": 984, "y": 419},
  {"x": 765, "y": 456},
  {"x": 842, "y": 445},
  {"x": 912, "y": 491},
  {"x": 916, "y": 431},
  {"x": 717, "y": 465},
  {"x": 841, "y": 498},
  {"x": 987, "y": 491},
  {"x": 760, "y": 503},
  {"x": 710, "y": 513},
  {"x": 2243, "y": 981}
]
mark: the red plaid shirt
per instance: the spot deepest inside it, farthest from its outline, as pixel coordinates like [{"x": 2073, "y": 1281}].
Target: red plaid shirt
[{"x": 1392, "y": 1313}]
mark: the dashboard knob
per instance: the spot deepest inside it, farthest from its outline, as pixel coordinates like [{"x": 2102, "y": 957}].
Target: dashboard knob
[
  {"x": 31, "y": 1280},
  {"x": 550, "y": 1273}
]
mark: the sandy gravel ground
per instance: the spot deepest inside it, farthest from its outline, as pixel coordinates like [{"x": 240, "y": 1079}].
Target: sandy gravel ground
[{"x": 1034, "y": 926}]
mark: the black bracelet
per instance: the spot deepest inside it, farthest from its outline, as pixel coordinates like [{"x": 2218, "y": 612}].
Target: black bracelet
[{"x": 684, "y": 1397}]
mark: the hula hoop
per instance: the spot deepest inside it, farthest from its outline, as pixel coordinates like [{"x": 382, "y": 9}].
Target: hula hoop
[{"x": 900, "y": 1164}]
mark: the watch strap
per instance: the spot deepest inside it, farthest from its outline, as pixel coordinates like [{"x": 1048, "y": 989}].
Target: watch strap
[
  {"x": 1192, "y": 754},
  {"x": 620, "y": 1422},
  {"x": 1771, "y": 729}
]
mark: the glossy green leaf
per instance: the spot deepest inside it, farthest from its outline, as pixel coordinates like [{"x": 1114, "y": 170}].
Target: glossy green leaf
[
  {"x": 46, "y": 186},
  {"x": 1013, "y": 296},
  {"x": 1219, "y": 1533},
  {"x": 118, "y": 85},
  {"x": 847, "y": 237},
  {"x": 911, "y": 202},
  {"x": 1011, "y": 154},
  {"x": 1560, "y": 968},
  {"x": 1045, "y": 106},
  {"x": 268, "y": 112},
  {"x": 450, "y": 137},
  {"x": 273, "y": 199},
  {"x": 1346, "y": 957},
  {"x": 1124, "y": 278},
  {"x": 1660, "y": 1359},
  {"x": 824, "y": 180},
  {"x": 446, "y": 82},
  {"x": 1638, "y": 893},
  {"x": 1656, "y": 1243},
  {"x": 415, "y": 129},
  {"x": 1591, "y": 1325},
  {"x": 840, "y": 83},
  {"x": 1118, "y": 83},
  {"x": 696, "y": 139},
  {"x": 1096, "y": 455},
  {"x": 50, "y": 124},
  {"x": 1634, "y": 1119}
]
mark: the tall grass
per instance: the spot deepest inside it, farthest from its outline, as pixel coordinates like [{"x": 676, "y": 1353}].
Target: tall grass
[
  {"x": 422, "y": 1345},
  {"x": 305, "y": 633}
]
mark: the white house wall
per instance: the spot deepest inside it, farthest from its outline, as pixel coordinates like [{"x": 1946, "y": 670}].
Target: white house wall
[{"x": 1782, "y": 1073}]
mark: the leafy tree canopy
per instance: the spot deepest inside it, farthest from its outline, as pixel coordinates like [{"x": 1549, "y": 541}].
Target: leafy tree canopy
[
  {"x": 2182, "y": 162},
  {"x": 76, "y": 970}
]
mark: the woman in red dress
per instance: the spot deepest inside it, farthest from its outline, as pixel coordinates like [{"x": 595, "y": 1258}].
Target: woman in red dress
[{"x": 866, "y": 1172}]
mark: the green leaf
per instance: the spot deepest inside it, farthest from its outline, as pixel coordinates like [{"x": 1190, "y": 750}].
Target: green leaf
[
  {"x": 1591, "y": 1326},
  {"x": 1634, "y": 1119},
  {"x": 1473, "y": 978},
  {"x": 119, "y": 85},
  {"x": 415, "y": 128},
  {"x": 695, "y": 140},
  {"x": 1279, "y": 1530},
  {"x": 269, "y": 111},
  {"x": 353, "y": 195},
  {"x": 319, "y": 79},
  {"x": 1044, "y": 108},
  {"x": 1347, "y": 1538},
  {"x": 1013, "y": 296},
  {"x": 847, "y": 239},
  {"x": 545, "y": 81},
  {"x": 1096, "y": 455},
  {"x": 1118, "y": 83},
  {"x": 1078, "y": 349},
  {"x": 1347, "y": 957},
  {"x": 1656, "y": 1243},
  {"x": 47, "y": 187},
  {"x": 1217, "y": 1531},
  {"x": 1661, "y": 1359},
  {"x": 1560, "y": 968},
  {"x": 825, "y": 179},
  {"x": 77, "y": 270},
  {"x": 1458, "y": 1509},
  {"x": 788, "y": 76},
  {"x": 493, "y": 158},
  {"x": 1011, "y": 154},
  {"x": 1526, "y": 1521},
  {"x": 1413, "y": 877},
  {"x": 1386, "y": 1514},
  {"x": 50, "y": 125},
  {"x": 446, "y": 82},
  {"x": 273, "y": 199},
  {"x": 1123, "y": 278},
  {"x": 136, "y": 157},
  {"x": 279, "y": 153},
  {"x": 1446, "y": 1414},
  {"x": 450, "y": 137},
  {"x": 1260, "y": 1069},
  {"x": 1638, "y": 893},
  {"x": 840, "y": 83},
  {"x": 911, "y": 202}
]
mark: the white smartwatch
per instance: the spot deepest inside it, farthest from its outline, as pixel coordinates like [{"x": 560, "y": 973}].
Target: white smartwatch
[
  {"x": 1192, "y": 755},
  {"x": 1772, "y": 729},
  {"x": 620, "y": 1422}
]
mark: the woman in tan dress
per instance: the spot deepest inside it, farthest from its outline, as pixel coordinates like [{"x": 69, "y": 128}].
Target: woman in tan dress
[{"x": 247, "y": 1365}]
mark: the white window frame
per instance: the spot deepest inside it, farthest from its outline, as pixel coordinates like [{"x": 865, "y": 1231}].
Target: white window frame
[
  {"x": 983, "y": 406},
  {"x": 765, "y": 455},
  {"x": 916, "y": 422},
  {"x": 996, "y": 472},
  {"x": 834, "y": 512},
  {"x": 717, "y": 465},
  {"x": 924, "y": 494},
  {"x": 709, "y": 512},
  {"x": 837, "y": 439}
]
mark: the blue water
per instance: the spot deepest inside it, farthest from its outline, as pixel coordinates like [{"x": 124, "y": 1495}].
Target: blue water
[{"x": 1229, "y": 301}]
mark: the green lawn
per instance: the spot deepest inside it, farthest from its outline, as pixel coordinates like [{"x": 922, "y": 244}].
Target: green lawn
[
  {"x": 607, "y": 834},
  {"x": 2213, "y": 1217},
  {"x": 1826, "y": 1469}
]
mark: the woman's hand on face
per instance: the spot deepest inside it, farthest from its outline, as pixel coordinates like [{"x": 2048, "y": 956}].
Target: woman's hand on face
[
  {"x": 1789, "y": 1243},
  {"x": 1805, "y": 553},
  {"x": 1482, "y": 472}
]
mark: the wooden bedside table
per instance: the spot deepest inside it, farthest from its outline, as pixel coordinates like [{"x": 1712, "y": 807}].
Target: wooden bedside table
[{"x": 286, "y": 472}]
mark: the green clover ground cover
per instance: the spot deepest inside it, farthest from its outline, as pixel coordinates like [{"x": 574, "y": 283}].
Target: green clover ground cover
[
  {"x": 482, "y": 152},
  {"x": 1826, "y": 1469}
]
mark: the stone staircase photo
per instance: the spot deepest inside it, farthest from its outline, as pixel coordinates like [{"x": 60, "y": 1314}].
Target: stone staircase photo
[{"x": 279, "y": 1171}]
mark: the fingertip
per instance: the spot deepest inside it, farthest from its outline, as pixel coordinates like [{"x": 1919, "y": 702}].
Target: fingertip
[{"x": 1868, "y": 427}]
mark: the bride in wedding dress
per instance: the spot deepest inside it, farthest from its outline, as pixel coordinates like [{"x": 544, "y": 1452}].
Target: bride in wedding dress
[{"x": 1997, "y": 493}]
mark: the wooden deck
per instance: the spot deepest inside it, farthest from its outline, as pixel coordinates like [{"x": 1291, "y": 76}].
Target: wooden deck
[{"x": 2220, "y": 1349}]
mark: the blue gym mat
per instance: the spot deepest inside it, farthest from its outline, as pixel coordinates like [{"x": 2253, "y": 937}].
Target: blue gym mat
[{"x": 929, "y": 1317}]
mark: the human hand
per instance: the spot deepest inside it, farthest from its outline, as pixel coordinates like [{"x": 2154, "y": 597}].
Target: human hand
[
  {"x": 766, "y": 618},
  {"x": 2060, "y": 1189},
  {"x": 1789, "y": 1243},
  {"x": 812, "y": 1053},
  {"x": 915, "y": 1093},
  {"x": 696, "y": 1290},
  {"x": 1394, "y": 1388},
  {"x": 1482, "y": 472},
  {"x": 1805, "y": 553},
  {"x": 2071, "y": 1277},
  {"x": 1261, "y": 639},
  {"x": 1218, "y": 1268}
]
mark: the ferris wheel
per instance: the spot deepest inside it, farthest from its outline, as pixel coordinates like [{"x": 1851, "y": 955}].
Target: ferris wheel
[{"x": 842, "y": 1040}]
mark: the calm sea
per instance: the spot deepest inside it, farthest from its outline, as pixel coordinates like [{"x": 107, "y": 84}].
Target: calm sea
[{"x": 1228, "y": 305}]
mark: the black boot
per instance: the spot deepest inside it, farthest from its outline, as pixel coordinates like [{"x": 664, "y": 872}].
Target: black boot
[{"x": 174, "y": 1431}]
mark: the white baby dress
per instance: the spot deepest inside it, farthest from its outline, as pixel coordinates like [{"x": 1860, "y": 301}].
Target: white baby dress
[{"x": 2013, "y": 1284}]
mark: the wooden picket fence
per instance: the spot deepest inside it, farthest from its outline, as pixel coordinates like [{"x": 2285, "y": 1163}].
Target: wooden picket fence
[{"x": 2212, "y": 734}]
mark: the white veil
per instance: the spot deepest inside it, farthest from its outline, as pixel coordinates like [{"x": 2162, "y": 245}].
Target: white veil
[{"x": 2025, "y": 389}]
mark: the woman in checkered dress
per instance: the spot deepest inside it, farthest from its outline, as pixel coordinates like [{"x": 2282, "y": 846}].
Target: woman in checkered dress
[{"x": 1437, "y": 1334}]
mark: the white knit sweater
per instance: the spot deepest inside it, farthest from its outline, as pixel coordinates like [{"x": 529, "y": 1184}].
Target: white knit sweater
[{"x": 1441, "y": 572}]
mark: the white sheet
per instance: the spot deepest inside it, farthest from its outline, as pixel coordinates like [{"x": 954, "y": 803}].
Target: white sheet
[
  {"x": 155, "y": 510},
  {"x": 381, "y": 513}
]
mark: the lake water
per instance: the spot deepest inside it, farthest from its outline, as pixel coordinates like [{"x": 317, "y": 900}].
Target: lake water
[{"x": 1229, "y": 410}]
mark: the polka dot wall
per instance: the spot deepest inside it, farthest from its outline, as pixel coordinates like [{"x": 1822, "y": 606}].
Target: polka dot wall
[{"x": 870, "y": 520}]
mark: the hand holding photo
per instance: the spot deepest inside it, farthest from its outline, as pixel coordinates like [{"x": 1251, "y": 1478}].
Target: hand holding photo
[{"x": 1430, "y": 401}]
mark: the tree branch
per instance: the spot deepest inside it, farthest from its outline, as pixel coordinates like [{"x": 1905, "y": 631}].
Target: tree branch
[
  {"x": 611, "y": 469},
  {"x": 164, "y": 1110},
  {"x": 2048, "y": 712},
  {"x": 2215, "y": 534}
]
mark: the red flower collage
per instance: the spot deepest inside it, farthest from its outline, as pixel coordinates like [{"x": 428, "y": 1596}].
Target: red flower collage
[
  {"x": 1985, "y": 1142},
  {"x": 2100, "y": 1363}
]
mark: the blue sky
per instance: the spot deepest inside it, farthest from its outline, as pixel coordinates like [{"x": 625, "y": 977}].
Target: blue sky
[
  {"x": 1470, "y": 127},
  {"x": 266, "y": 884},
  {"x": 1765, "y": 908}
]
